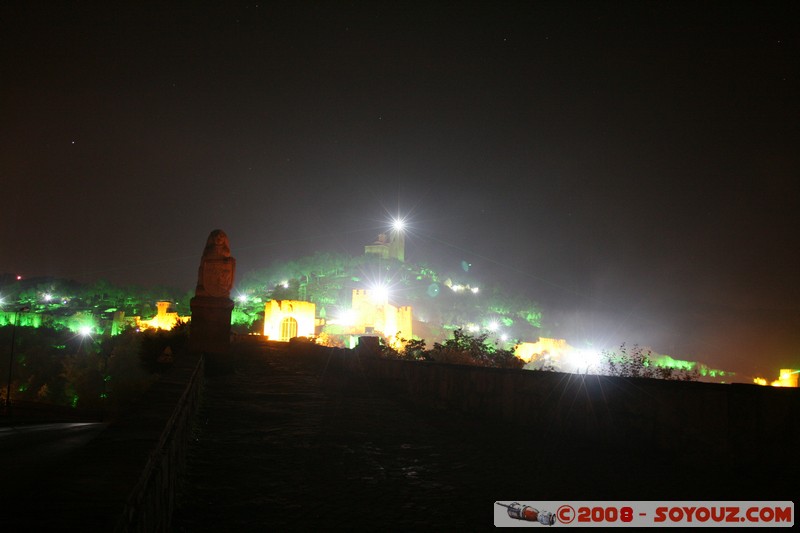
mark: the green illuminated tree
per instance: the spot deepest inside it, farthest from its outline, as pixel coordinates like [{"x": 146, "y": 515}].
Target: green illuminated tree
[
  {"x": 38, "y": 359},
  {"x": 126, "y": 378},
  {"x": 83, "y": 374}
]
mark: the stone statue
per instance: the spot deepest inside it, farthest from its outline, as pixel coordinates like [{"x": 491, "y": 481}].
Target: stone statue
[{"x": 217, "y": 267}]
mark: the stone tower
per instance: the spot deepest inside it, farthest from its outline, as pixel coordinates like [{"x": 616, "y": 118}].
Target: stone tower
[{"x": 391, "y": 246}]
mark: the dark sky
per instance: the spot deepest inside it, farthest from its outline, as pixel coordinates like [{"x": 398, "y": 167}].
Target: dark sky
[{"x": 633, "y": 166}]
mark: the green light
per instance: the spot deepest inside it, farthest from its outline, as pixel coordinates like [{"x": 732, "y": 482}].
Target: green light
[{"x": 677, "y": 364}]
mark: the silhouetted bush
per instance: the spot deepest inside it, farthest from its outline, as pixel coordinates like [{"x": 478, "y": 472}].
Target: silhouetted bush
[
  {"x": 461, "y": 349},
  {"x": 159, "y": 347},
  {"x": 637, "y": 362}
]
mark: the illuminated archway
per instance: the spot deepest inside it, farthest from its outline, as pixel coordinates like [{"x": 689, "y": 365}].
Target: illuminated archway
[{"x": 288, "y": 328}]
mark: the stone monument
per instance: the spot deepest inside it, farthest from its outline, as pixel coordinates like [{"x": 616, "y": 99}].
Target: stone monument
[{"x": 210, "y": 327}]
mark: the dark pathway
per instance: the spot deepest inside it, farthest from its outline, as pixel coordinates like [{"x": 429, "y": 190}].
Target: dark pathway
[{"x": 295, "y": 440}]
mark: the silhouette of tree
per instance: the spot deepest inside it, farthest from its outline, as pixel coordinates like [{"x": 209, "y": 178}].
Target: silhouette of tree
[{"x": 637, "y": 362}]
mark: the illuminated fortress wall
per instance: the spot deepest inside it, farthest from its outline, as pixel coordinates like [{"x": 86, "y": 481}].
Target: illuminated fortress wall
[
  {"x": 404, "y": 319},
  {"x": 544, "y": 348},
  {"x": 286, "y": 319},
  {"x": 558, "y": 355},
  {"x": 788, "y": 377},
  {"x": 75, "y": 322},
  {"x": 8, "y": 318},
  {"x": 374, "y": 314},
  {"x": 365, "y": 305}
]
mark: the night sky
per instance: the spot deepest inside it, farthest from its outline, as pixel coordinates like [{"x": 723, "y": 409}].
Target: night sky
[{"x": 634, "y": 167}]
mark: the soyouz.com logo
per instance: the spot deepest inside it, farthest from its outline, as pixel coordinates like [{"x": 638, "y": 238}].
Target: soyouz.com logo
[{"x": 646, "y": 514}]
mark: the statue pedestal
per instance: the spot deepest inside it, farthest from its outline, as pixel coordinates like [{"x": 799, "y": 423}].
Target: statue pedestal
[{"x": 210, "y": 328}]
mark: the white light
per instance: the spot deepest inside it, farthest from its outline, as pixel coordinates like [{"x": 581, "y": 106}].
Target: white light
[
  {"x": 347, "y": 317},
  {"x": 48, "y": 297},
  {"x": 504, "y": 337},
  {"x": 472, "y": 328},
  {"x": 492, "y": 326},
  {"x": 584, "y": 360},
  {"x": 85, "y": 330},
  {"x": 242, "y": 297},
  {"x": 285, "y": 284},
  {"x": 380, "y": 294},
  {"x": 398, "y": 224},
  {"x": 475, "y": 290}
]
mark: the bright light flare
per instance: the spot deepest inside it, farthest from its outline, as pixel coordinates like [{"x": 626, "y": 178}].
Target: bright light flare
[
  {"x": 347, "y": 317},
  {"x": 492, "y": 326},
  {"x": 242, "y": 298},
  {"x": 379, "y": 294},
  {"x": 398, "y": 224},
  {"x": 584, "y": 359},
  {"x": 85, "y": 330}
]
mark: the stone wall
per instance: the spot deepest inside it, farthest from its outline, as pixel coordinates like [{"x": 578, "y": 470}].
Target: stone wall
[
  {"x": 629, "y": 412},
  {"x": 150, "y": 504}
]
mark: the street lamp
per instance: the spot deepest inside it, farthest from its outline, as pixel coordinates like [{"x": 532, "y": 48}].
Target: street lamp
[{"x": 11, "y": 356}]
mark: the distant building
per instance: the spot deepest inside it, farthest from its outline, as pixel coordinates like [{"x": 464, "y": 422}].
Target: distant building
[
  {"x": 165, "y": 318},
  {"x": 391, "y": 246}
]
